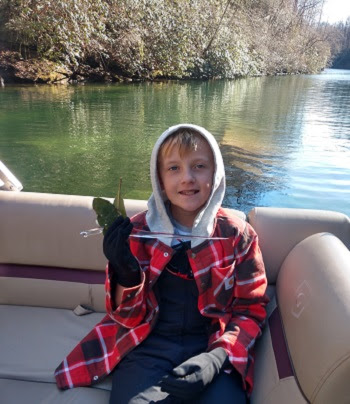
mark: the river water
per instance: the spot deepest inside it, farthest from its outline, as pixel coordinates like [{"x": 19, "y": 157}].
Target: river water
[{"x": 285, "y": 140}]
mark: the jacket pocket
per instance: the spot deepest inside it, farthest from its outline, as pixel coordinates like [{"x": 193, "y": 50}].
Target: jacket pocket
[{"x": 223, "y": 281}]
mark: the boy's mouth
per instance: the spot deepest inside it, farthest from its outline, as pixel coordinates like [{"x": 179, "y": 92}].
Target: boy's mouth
[{"x": 189, "y": 192}]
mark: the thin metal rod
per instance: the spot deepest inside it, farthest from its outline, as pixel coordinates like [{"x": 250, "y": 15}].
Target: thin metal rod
[{"x": 150, "y": 234}]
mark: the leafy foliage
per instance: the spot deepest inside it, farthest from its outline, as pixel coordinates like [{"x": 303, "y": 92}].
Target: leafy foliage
[
  {"x": 340, "y": 41},
  {"x": 147, "y": 39},
  {"x": 106, "y": 211}
]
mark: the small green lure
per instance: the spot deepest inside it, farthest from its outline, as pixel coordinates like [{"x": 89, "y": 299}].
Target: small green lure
[{"x": 106, "y": 211}]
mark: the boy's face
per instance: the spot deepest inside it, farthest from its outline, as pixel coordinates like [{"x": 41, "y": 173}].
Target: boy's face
[{"x": 187, "y": 180}]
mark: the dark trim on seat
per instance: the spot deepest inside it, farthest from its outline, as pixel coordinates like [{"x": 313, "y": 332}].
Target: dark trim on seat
[
  {"x": 279, "y": 345},
  {"x": 52, "y": 273}
]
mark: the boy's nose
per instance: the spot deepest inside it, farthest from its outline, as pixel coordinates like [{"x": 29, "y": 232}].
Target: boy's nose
[{"x": 187, "y": 175}]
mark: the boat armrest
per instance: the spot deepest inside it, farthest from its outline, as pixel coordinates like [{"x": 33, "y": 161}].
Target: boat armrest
[
  {"x": 313, "y": 295},
  {"x": 280, "y": 229}
]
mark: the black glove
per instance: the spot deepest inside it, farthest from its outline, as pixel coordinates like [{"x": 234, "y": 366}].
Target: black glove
[
  {"x": 192, "y": 376},
  {"x": 124, "y": 266}
]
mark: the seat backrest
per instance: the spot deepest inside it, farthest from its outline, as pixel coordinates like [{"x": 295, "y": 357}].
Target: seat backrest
[
  {"x": 44, "y": 261},
  {"x": 280, "y": 229},
  {"x": 44, "y": 229}
]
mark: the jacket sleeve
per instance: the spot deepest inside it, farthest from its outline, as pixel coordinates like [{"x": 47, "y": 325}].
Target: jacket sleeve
[
  {"x": 132, "y": 308},
  {"x": 239, "y": 329}
]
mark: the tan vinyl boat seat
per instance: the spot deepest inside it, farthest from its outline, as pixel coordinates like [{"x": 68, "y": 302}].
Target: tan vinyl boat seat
[{"x": 47, "y": 270}]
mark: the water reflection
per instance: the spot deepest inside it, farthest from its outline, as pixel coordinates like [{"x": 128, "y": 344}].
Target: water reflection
[{"x": 285, "y": 140}]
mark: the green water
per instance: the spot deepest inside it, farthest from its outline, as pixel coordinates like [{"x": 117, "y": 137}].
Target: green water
[{"x": 285, "y": 140}]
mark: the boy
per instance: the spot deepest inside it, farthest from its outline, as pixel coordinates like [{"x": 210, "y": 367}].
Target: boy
[{"x": 184, "y": 312}]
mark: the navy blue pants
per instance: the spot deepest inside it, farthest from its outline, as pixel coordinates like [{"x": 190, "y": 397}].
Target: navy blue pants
[{"x": 180, "y": 333}]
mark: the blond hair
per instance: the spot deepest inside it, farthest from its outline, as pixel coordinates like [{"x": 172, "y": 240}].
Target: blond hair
[{"x": 186, "y": 139}]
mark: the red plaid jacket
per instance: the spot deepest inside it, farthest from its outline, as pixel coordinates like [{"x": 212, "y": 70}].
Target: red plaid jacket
[{"x": 231, "y": 280}]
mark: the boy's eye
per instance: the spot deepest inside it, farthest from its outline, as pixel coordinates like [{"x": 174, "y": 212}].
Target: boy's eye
[
  {"x": 172, "y": 168},
  {"x": 200, "y": 166}
]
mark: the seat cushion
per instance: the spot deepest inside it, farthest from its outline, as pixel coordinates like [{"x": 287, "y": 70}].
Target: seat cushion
[
  {"x": 19, "y": 391},
  {"x": 34, "y": 340}
]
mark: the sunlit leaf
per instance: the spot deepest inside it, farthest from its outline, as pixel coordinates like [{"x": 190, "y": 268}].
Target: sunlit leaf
[
  {"x": 118, "y": 201},
  {"x": 106, "y": 211}
]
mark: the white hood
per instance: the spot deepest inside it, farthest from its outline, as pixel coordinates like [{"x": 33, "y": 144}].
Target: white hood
[{"x": 157, "y": 217}]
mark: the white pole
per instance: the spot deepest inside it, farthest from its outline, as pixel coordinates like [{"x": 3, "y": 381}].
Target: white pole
[{"x": 8, "y": 182}]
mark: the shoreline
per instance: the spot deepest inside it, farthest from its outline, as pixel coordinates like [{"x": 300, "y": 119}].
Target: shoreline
[{"x": 14, "y": 69}]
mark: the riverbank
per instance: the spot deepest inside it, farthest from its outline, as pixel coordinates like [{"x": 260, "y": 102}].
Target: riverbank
[
  {"x": 79, "y": 41},
  {"x": 14, "y": 69}
]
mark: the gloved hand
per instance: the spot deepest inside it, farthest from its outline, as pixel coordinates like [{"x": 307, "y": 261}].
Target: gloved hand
[
  {"x": 192, "y": 376},
  {"x": 126, "y": 269}
]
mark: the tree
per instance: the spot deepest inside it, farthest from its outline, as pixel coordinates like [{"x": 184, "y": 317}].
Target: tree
[{"x": 147, "y": 39}]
